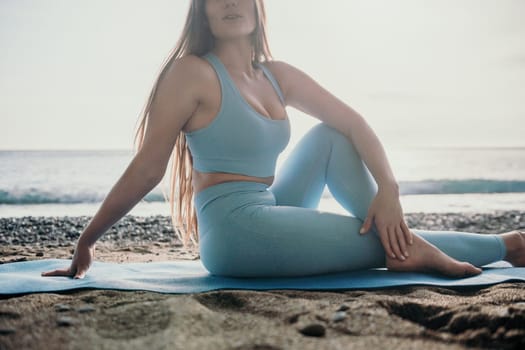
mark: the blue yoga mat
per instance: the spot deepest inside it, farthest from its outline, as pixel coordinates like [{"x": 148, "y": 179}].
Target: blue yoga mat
[{"x": 191, "y": 277}]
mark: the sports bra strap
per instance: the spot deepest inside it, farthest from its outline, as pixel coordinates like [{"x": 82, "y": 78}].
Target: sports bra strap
[
  {"x": 273, "y": 81},
  {"x": 221, "y": 70}
]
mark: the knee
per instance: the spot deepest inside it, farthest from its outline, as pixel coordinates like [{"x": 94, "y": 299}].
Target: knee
[{"x": 325, "y": 131}]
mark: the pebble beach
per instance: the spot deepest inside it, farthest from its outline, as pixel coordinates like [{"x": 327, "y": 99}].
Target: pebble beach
[{"x": 409, "y": 317}]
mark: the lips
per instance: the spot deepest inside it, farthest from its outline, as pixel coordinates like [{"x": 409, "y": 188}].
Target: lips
[{"x": 232, "y": 16}]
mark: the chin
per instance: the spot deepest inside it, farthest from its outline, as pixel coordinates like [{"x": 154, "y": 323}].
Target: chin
[{"x": 234, "y": 34}]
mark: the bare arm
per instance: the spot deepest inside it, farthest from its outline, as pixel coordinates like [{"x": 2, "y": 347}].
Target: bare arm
[
  {"x": 175, "y": 100},
  {"x": 171, "y": 108},
  {"x": 136, "y": 181},
  {"x": 305, "y": 94}
]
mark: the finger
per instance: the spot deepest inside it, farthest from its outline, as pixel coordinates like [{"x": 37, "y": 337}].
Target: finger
[
  {"x": 408, "y": 234},
  {"x": 394, "y": 244},
  {"x": 383, "y": 236},
  {"x": 57, "y": 272},
  {"x": 401, "y": 240},
  {"x": 366, "y": 225}
]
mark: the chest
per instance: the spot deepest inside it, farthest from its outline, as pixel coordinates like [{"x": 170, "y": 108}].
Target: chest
[{"x": 260, "y": 95}]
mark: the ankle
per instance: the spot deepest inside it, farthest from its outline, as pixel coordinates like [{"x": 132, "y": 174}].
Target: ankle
[{"x": 514, "y": 242}]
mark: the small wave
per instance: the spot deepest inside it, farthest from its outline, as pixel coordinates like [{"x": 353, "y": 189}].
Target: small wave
[
  {"x": 461, "y": 186},
  {"x": 36, "y": 196},
  {"x": 41, "y": 196}
]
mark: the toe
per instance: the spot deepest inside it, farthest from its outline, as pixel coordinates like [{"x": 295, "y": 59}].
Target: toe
[{"x": 472, "y": 270}]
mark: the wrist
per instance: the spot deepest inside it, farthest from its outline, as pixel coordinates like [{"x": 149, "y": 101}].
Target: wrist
[
  {"x": 389, "y": 187},
  {"x": 86, "y": 241}
]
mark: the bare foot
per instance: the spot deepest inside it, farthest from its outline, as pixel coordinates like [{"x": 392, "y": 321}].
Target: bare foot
[
  {"x": 515, "y": 243},
  {"x": 424, "y": 256}
]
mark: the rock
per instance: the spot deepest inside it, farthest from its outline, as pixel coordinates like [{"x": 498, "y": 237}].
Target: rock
[
  {"x": 313, "y": 330},
  {"x": 516, "y": 336},
  {"x": 66, "y": 321},
  {"x": 343, "y": 307},
  {"x": 39, "y": 254},
  {"x": 339, "y": 316},
  {"x": 62, "y": 307},
  {"x": 7, "y": 330},
  {"x": 86, "y": 309}
]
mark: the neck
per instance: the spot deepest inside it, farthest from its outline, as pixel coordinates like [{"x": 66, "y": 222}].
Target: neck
[{"x": 236, "y": 55}]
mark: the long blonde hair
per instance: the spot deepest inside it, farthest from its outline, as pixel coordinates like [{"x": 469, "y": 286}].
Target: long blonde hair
[{"x": 196, "y": 39}]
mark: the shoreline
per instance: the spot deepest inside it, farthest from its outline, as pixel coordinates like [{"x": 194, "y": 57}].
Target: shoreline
[
  {"x": 408, "y": 317},
  {"x": 418, "y": 203}
]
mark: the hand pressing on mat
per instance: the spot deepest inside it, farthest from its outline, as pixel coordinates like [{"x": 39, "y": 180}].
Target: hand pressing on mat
[
  {"x": 82, "y": 259},
  {"x": 387, "y": 215}
]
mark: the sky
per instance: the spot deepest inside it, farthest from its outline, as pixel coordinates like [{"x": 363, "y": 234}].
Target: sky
[{"x": 432, "y": 73}]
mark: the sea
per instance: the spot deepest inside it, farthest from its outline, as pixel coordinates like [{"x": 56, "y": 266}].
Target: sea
[{"x": 432, "y": 180}]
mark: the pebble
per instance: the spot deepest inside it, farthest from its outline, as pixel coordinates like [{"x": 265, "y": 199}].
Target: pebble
[
  {"x": 54, "y": 231},
  {"x": 515, "y": 334},
  {"x": 343, "y": 307},
  {"x": 66, "y": 321},
  {"x": 339, "y": 316},
  {"x": 86, "y": 309},
  {"x": 313, "y": 330},
  {"x": 7, "y": 331},
  {"x": 62, "y": 307}
]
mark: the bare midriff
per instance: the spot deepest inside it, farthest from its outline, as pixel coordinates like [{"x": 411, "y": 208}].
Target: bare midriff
[{"x": 201, "y": 181}]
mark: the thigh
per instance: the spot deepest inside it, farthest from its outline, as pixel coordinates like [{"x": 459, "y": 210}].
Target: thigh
[
  {"x": 324, "y": 156},
  {"x": 266, "y": 240},
  {"x": 302, "y": 177}
]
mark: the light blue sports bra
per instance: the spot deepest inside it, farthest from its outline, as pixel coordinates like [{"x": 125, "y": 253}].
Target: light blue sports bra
[{"x": 238, "y": 140}]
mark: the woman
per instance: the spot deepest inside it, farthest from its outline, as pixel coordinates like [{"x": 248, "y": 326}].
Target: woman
[{"x": 219, "y": 106}]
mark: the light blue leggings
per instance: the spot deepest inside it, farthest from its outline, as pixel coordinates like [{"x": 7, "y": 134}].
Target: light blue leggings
[{"x": 248, "y": 229}]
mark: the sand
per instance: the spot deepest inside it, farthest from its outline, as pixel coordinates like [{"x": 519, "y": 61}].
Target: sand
[{"x": 404, "y": 318}]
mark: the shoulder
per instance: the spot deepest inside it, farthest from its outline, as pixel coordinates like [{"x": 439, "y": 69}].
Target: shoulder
[
  {"x": 189, "y": 71},
  {"x": 283, "y": 71},
  {"x": 190, "y": 64},
  {"x": 288, "y": 76},
  {"x": 279, "y": 69},
  {"x": 184, "y": 80}
]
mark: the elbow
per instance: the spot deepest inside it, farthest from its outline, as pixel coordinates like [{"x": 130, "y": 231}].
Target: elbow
[
  {"x": 148, "y": 174},
  {"x": 149, "y": 169},
  {"x": 357, "y": 125},
  {"x": 154, "y": 176}
]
